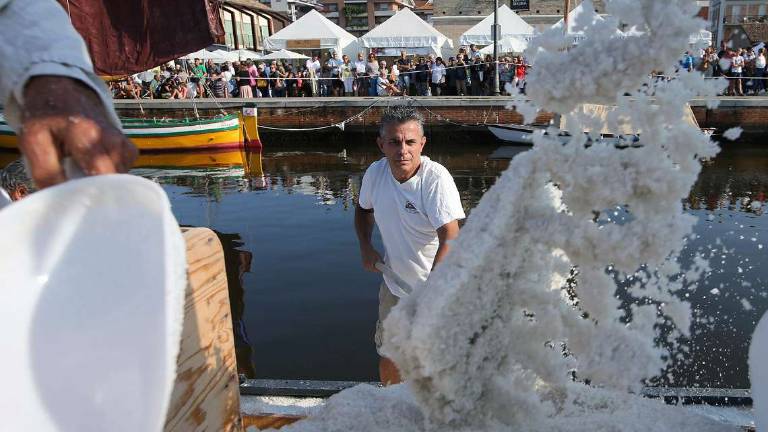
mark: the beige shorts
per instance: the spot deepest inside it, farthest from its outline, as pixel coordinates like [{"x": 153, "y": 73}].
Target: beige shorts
[{"x": 387, "y": 301}]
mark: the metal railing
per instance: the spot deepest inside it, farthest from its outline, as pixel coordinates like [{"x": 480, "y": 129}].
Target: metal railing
[{"x": 745, "y": 19}]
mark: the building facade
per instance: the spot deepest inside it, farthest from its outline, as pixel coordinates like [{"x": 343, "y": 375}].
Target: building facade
[
  {"x": 294, "y": 8},
  {"x": 738, "y": 23},
  {"x": 361, "y": 16},
  {"x": 247, "y": 23}
]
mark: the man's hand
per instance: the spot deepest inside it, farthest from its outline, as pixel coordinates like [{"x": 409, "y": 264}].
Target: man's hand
[
  {"x": 370, "y": 257},
  {"x": 62, "y": 117}
]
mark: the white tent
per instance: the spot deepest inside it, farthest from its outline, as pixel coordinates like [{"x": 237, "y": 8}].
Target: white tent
[
  {"x": 204, "y": 54},
  {"x": 284, "y": 54},
  {"x": 703, "y": 37},
  {"x": 512, "y": 26},
  {"x": 405, "y": 30},
  {"x": 506, "y": 45},
  {"x": 244, "y": 54},
  {"x": 313, "y": 31}
]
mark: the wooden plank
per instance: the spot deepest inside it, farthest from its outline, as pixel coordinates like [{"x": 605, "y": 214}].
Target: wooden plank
[
  {"x": 269, "y": 421},
  {"x": 205, "y": 396}
]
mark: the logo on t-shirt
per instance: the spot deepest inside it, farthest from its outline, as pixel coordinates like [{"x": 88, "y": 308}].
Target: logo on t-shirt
[{"x": 410, "y": 208}]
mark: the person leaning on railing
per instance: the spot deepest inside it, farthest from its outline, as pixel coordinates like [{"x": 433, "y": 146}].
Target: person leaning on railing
[{"x": 51, "y": 97}]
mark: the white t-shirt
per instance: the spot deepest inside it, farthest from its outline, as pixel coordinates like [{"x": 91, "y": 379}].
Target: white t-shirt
[
  {"x": 360, "y": 67},
  {"x": 760, "y": 62},
  {"x": 408, "y": 216},
  {"x": 382, "y": 90},
  {"x": 738, "y": 64}
]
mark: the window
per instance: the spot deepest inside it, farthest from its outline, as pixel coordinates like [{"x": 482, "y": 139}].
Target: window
[
  {"x": 331, "y": 7},
  {"x": 761, "y": 10},
  {"x": 357, "y": 22},
  {"x": 383, "y": 6},
  {"x": 334, "y": 20},
  {"x": 380, "y": 19}
]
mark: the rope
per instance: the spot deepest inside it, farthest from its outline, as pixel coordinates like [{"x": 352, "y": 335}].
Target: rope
[{"x": 339, "y": 125}]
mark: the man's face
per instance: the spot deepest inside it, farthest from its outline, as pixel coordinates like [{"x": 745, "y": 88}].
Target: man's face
[
  {"x": 360, "y": 57},
  {"x": 402, "y": 144}
]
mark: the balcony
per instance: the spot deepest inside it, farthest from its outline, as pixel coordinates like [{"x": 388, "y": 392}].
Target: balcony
[{"x": 745, "y": 19}]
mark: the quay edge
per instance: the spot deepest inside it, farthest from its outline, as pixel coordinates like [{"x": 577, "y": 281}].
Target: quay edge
[{"x": 446, "y": 112}]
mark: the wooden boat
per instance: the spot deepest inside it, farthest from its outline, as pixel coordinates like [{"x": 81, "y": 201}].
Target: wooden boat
[
  {"x": 156, "y": 135},
  {"x": 517, "y": 134}
]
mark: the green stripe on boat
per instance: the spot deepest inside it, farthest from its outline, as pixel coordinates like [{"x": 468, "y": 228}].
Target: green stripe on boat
[{"x": 170, "y": 134}]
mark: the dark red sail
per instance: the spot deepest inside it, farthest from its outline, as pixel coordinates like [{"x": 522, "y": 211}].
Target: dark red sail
[{"x": 129, "y": 36}]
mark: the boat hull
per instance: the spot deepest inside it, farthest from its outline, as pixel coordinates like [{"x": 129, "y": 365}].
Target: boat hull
[
  {"x": 167, "y": 135},
  {"x": 513, "y": 134}
]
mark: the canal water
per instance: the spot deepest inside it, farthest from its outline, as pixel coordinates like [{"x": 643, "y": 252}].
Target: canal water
[
  {"x": 306, "y": 309},
  {"x": 303, "y": 307}
]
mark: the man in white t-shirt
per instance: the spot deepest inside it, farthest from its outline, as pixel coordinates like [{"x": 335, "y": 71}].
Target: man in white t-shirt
[{"x": 415, "y": 204}]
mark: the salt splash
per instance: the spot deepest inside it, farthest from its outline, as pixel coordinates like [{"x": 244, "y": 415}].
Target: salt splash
[{"x": 492, "y": 341}]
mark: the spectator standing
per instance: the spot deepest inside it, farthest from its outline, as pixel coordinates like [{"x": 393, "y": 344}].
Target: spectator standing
[
  {"x": 218, "y": 86},
  {"x": 324, "y": 82},
  {"x": 347, "y": 75},
  {"x": 422, "y": 77},
  {"x": 336, "y": 84},
  {"x": 199, "y": 73},
  {"x": 404, "y": 67},
  {"x": 313, "y": 71},
  {"x": 737, "y": 70},
  {"x": 461, "y": 76},
  {"x": 253, "y": 73},
  {"x": 450, "y": 78},
  {"x": 474, "y": 52},
  {"x": 760, "y": 71},
  {"x": 372, "y": 71},
  {"x": 243, "y": 78},
  {"x": 360, "y": 77},
  {"x": 506, "y": 74},
  {"x": 291, "y": 84},
  {"x": 488, "y": 75},
  {"x": 687, "y": 62},
  {"x": 749, "y": 70},
  {"x": 476, "y": 72},
  {"x": 438, "y": 77}
]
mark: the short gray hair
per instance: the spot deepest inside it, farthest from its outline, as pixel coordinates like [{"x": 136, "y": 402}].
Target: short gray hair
[{"x": 400, "y": 114}]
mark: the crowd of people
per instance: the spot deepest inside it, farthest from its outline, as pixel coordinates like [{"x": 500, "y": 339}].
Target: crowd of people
[
  {"x": 745, "y": 68},
  {"x": 468, "y": 73}
]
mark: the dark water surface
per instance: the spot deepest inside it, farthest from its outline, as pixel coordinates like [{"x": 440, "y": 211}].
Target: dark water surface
[{"x": 305, "y": 309}]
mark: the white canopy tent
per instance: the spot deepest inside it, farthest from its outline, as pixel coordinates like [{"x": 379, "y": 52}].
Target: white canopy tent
[
  {"x": 405, "y": 30},
  {"x": 204, "y": 54},
  {"x": 313, "y": 31},
  {"x": 512, "y": 27},
  {"x": 284, "y": 55},
  {"x": 703, "y": 37},
  {"x": 506, "y": 45},
  {"x": 244, "y": 54}
]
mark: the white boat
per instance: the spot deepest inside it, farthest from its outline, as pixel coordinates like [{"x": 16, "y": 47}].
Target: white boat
[
  {"x": 523, "y": 134},
  {"x": 515, "y": 134}
]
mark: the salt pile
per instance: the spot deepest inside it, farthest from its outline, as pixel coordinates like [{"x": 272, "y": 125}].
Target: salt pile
[{"x": 493, "y": 341}]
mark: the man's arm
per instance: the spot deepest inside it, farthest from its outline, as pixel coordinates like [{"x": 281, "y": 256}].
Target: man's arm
[
  {"x": 52, "y": 99},
  {"x": 445, "y": 233},
  {"x": 364, "y": 222}
]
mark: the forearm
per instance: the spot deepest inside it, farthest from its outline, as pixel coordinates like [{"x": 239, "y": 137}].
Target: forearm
[
  {"x": 364, "y": 222},
  {"x": 445, "y": 234},
  {"x": 39, "y": 38}
]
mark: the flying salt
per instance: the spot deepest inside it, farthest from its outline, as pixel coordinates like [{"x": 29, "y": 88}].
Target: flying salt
[
  {"x": 491, "y": 342},
  {"x": 733, "y": 133}
]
